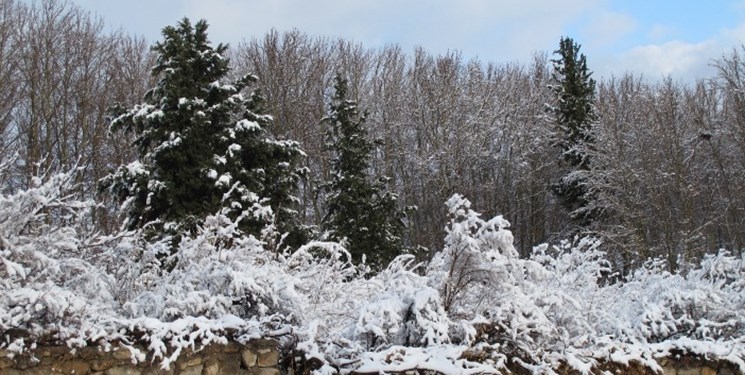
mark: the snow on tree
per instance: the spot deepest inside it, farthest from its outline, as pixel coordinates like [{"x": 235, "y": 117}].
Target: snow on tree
[
  {"x": 47, "y": 285},
  {"x": 470, "y": 245},
  {"x": 363, "y": 214},
  {"x": 575, "y": 117},
  {"x": 558, "y": 308},
  {"x": 203, "y": 145},
  {"x": 560, "y": 305}
]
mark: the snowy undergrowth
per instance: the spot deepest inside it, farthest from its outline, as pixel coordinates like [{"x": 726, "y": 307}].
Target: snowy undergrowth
[
  {"x": 476, "y": 307},
  {"x": 559, "y": 305},
  {"x": 46, "y": 285}
]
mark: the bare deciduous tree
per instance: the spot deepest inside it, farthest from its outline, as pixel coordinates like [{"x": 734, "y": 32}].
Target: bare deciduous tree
[{"x": 63, "y": 73}]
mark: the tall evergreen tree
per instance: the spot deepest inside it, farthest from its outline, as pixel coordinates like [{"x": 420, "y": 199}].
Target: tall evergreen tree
[
  {"x": 203, "y": 145},
  {"x": 360, "y": 211},
  {"x": 574, "y": 118}
]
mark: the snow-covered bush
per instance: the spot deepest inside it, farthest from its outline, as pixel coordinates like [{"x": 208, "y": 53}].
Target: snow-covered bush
[
  {"x": 477, "y": 307},
  {"x": 217, "y": 271},
  {"x": 348, "y": 315},
  {"x": 478, "y": 255},
  {"x": 560, "y": 305},
  {"x": 699, "y": 311},
  {"x": 404, "y": 311},
  {"x": 483, "y": 281},
  {"x": 47, "y": 287}
]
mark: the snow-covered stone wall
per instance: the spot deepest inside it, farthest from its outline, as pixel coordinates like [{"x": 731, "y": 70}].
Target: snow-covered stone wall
[
  {"x": 696, "y": 366},
  {"x": 475, "y": 308},
  {"x": 257, "y": 357}
]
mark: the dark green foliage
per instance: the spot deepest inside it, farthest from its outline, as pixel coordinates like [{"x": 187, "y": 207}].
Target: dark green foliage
[
  {"x": 575, "y": 118},
  {"x": 364, "y": 213},
  {"x": 203, "y": 146}
]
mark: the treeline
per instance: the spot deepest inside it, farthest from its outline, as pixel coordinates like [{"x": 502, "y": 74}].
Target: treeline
[
  {"x": 668, "y": 158},
  {"x": 668, "y": 168},
  {"x": 60, "y": 71}
]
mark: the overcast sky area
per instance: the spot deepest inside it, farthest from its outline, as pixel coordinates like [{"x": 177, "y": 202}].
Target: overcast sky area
[{"x": 654, "y": 38}]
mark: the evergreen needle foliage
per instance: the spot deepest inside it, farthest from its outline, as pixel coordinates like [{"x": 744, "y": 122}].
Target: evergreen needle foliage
[
  {"x": 574, "y": 118},
  {"x": 203, "y": 146},
  {"x": 361, "y": 212}
]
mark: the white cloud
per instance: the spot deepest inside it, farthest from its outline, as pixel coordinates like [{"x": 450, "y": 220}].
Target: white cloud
[
  {"x": 659, "y": 32},
  {"x": 681, "y": 60},
  {"x": 735, "y": 35},
  {"x": 674, "y": 58},
  {"x": 493, "y": 30},
  {"x": 507, "y": 28},
  {"x": 607, "y": 27}
]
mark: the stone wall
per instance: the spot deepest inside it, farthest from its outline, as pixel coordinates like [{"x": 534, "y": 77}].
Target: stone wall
[
  {"x": 697, "y": 366},
  {"x": 259, "y": 357}
]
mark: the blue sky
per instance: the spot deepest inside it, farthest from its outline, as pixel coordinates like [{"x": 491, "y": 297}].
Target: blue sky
[{"x": 653, "y": 38}]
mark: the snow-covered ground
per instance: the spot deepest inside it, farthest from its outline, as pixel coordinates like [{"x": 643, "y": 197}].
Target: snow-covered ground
[{"x": 60, "y": 280}]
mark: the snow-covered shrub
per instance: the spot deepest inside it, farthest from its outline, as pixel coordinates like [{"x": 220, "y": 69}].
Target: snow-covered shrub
[
  {"x": 47, "y": 287},
  {"x": 346, "y": 314},
  {"x": 325, "y": 268},
  {"x": 477, "y": 256},
  {"x": 404, "y": 311},
  {"x": 224, "y": 284},
  {"x": 477, "y": 308},
  {"x": 706, "y": 303},
  {"x": 560, "y": 306},
  {"x": 524, "y": 306},
  {"x": 217, "y": 271}
]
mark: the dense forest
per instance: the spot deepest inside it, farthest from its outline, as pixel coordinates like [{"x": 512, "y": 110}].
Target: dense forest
[
  {"x": 177, "y": 193},
  {"x": 667, "y": 170}
]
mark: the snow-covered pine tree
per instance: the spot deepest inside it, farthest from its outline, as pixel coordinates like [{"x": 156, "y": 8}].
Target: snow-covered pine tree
[
  {"x": 203, "y": 146},
  {"x": 360, "y": 211},
  {"x": 574, "y": 117}
]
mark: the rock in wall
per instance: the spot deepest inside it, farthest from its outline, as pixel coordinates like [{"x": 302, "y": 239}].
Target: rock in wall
[{"x": 257, "y": 357}]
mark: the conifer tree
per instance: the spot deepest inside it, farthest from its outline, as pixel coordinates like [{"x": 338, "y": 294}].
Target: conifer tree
[
  {"x": 574, "y": 118},
  {"x": 360, "y": 211},
  {"x": 203, "y": 145}
]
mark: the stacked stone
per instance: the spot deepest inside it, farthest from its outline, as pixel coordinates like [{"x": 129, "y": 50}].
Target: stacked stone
[
  {"x": 258, "y": 357},
  {"x": 693, "y": 366}
]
